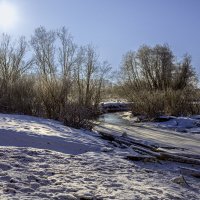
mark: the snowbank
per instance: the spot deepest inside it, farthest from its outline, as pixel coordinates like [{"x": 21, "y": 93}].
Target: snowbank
[
  {"x": 42, "y": 159},
  {"x": 26, "y": 131},
  {"x": 114, "y": 106},
  {"x": 181, "y": 124}
]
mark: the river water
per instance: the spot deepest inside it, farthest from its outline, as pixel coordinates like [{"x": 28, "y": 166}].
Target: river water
[{"x": 113, "y": 118}]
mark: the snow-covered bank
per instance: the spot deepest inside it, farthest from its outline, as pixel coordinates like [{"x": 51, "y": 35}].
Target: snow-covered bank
[
  {"x": 27, "y": 131},
  {"x": 27, "y": 173},
  {"x": 42, "y": 159},
  {"x": 179, "y": 124}
]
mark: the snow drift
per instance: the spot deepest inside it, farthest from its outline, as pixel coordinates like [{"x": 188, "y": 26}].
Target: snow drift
[{"x": 42, "y": 159}]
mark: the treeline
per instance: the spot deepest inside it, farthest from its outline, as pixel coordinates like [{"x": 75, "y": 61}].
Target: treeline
[
  {"x": 51, "y": 76},
  {"x": 157, "y": 83}
]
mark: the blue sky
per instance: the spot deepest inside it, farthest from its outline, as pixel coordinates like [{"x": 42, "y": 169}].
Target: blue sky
[{"x": 116, "y": 26}]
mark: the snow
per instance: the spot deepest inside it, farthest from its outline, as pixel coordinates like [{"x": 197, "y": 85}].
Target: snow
[
  {"x": 177, "y": 142},
  {"x": 42, "y": 159},
  {"x": 114, "y": 106},
  {"x": 181, "y": 124},
  {"x": 26, "y": 131}
]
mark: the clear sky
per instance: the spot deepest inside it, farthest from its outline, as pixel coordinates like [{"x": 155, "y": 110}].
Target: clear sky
[{"x": 113, "y": 26}]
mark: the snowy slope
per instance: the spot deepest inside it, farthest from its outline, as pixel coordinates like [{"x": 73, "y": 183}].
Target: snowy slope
[
  {"x": 42, "y": 159},
  {"x": 26, "y": 131}
]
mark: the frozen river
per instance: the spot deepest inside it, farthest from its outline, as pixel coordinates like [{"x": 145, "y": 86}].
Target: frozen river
[{"x": 185, "y": 143}]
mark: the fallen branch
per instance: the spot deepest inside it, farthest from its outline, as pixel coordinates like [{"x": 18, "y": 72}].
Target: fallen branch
[
  {"x": 177, "y": 158},
  {"x": 195, "y": 156},
  {"x": 142, "y": 158},
  {"x": 147, "y": 149},
  {"x": 124, "y": 140}
]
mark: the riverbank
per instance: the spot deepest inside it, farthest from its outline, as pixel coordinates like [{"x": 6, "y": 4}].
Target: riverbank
[
  {"x": 42, "y": 159},
  {"x": 151, "y": 132}
]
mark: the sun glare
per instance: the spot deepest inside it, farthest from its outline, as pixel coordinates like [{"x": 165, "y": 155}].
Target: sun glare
[{"x": 9, "y": 15}]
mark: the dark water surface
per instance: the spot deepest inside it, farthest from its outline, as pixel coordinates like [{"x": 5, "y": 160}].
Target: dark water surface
[{"x": 113, "y": 118}]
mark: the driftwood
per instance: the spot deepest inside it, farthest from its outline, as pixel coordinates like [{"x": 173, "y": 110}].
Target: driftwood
[
  {"x": 142, "y": 158},
  {"x": 107, "y": 136},
  {"x": 146, "y": 151},
  {"x": 195, "y": 156},
  {"x": 157, "y": 153},
  {"x": 124, "y": 140},
  {"x": 177, "y": 158},
  {"x": 167, "y": 156}
]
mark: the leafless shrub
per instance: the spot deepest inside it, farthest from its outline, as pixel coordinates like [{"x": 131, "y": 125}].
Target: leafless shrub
[
  {"x": 147, "y": 103},
  {"x": 156, "y": 84},
  {"x": 78, "y": 116},
  {"x": 181, "y": 102},
  {"x": 56, "y": 79}
]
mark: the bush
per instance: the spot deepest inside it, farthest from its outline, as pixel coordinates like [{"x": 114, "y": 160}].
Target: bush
[
  {"x": 78, "y": 116},
  {"x": 18, "y": 96},
  {"x": 157, "y": 84},
  {"x": 169, "y": 102},
  {"x": 181, "y": 102},
  {"x": 150, "y": 104}
]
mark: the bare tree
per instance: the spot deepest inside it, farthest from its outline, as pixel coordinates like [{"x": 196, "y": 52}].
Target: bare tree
[
  {"x": 185, "y": 74},
  {"x": 153, "y": 80},
  {"x": 90, "y": 71},
  {"x": 157, "y": 66},
  {"x": 101, "y": 78},
  {"x": 63, "y": 78},
  {"x": 13, "y": 64},
  {"x": 90, "y": 75},
  {"x": 67, "y": 59},
  {"x": 43, "y": 43}
]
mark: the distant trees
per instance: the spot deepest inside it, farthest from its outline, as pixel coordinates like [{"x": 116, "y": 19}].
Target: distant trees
[
  {"x": 90, "y": 76},
  {"x": 156, "y": 83},
  {"x": 13, "y": 67},
  {"x": 53, "y": 77},
  {"x": 50, "y": 76}
]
